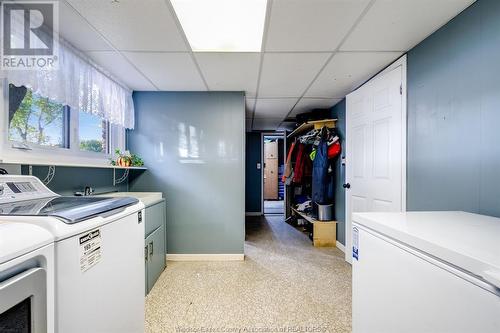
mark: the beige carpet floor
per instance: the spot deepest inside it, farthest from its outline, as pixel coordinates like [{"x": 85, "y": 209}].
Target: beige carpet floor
[{"x": 284, "y": 285}]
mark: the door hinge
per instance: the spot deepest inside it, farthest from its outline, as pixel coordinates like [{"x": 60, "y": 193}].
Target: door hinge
[{"x": 401, "y": 89}]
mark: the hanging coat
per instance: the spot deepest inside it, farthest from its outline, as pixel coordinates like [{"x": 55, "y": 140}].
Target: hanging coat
[
  {"x": 299, "y": 163},
  {"x": 320, "y": 179},
  {"x": 288, "y": 165}
]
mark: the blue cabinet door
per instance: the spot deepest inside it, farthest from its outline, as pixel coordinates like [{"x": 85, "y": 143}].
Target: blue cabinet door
[{"x": 155, "y": 244}]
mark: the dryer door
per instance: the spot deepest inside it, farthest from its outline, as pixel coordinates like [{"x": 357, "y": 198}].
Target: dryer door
[{"x": 23, "y": 302}]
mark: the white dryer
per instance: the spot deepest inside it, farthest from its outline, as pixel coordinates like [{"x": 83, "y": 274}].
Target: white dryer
[
  {"x": 99, "y": 254},
  {"x": 26, "y": 278}
]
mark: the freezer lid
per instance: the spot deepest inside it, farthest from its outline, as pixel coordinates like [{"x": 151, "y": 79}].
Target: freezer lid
[
  {"x": 465, "y": 240},
  {"x": 69, "y": 209}
]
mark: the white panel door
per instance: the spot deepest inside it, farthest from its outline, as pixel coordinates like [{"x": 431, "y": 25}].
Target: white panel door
[{"x": 375, "y": 151}]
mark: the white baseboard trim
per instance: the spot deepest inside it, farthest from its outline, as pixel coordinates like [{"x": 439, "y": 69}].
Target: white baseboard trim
[
  {"x": 340, "y": 246},
  {"x": 253, "y": 213},
  {"x": 205, "y": 257}
]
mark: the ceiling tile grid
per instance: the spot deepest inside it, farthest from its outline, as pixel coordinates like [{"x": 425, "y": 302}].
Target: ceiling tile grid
[
  {"x": 117, "y": 65},
  {"x": 249, "y": 106},
  {"x": 274, "y": 107},
  {"x": 266, "y": 124},
  {"x": 306, "y": 104},
  {"x": 289, "y": 74},
  {"x": 313, "y": 25},
  {"x": 347, "y": 70},
  {"x": 314, "y": 52},
  {"x": 132, "y": 25},
  {"x": 248, "y": 124},
  {"x": 398, "y": 25},
  {"x": 168, "y": 70},
  {"x": 230, "y": 71},
  {"x": 75, "y": 28}
]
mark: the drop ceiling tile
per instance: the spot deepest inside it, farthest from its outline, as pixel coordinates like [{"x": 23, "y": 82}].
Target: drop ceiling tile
[
  {"x": 248, "y": 124},
  {"x": 274, "y": 107},
  {"x": 133, "y": 25},
  {"x": 230, "y": 71},
  {"x": 398, "y": 25},
  {"x": 249, "y": 105},
  {"x": 168, "y": 71},
  {"x": 74, "y": 29},
  {"x": 289, "y": 74},
  {"x": 348, "y": 70},
  {"x": 266, "y": 124},
  {"x": 118, "y": 66},
  {"x": 308, "y": 104},
  {"x": 287, "y": 126},
  {"x": 312, "y": 25}
]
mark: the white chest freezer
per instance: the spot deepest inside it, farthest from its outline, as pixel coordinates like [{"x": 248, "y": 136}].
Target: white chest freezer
[{"x": 425, "y": 272}]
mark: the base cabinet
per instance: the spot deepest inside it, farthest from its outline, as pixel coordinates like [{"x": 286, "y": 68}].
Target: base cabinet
[{"x": 154, "y": 243}]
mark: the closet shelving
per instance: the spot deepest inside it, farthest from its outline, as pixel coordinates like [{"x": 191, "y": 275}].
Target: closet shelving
[
  {"x": 323, "y": 232},
  {"x": 309, "y": 125}
]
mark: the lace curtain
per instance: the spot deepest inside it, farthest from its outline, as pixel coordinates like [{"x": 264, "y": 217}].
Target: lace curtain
[{"x": 81, "y": 85}]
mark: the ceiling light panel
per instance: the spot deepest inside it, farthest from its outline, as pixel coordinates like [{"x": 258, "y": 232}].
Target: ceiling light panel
[{"x": 222, "y": 25}]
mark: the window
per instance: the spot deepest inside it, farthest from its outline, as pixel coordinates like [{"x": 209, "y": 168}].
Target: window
[
  {"x": 39, "y": 120},
  {"x": 93, "y": 133},
  {"x": 37, "y": 123}
]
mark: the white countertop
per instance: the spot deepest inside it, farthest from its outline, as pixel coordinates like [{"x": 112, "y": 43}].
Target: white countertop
[
  {"x": 466, "y": 240},
  {"x": 147, "y": 198}
]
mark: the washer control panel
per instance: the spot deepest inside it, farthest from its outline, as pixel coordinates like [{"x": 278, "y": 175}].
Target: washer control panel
[{"x": 20, "y": 188}]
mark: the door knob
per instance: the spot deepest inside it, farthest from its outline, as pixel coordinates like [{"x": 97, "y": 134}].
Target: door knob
[{"x": 346, "y": 185}]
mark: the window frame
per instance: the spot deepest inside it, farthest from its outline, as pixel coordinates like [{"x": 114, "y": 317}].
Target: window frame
[
  {"x": 76, "y": 142},
  {"x": 31, "y": 153}
]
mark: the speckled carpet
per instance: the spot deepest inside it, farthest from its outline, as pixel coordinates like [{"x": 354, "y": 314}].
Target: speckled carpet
[{"x": 284, "y": 285}]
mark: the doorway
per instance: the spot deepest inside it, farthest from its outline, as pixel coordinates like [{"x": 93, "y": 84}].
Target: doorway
[{"x": 273, "y": 160}]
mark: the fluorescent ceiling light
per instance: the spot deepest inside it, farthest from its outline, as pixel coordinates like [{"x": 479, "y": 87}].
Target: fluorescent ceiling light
[{"x": 222, "y": 25}]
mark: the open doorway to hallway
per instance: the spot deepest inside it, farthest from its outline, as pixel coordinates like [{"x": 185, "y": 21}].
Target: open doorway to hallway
[{"x": 273, "y": 157}]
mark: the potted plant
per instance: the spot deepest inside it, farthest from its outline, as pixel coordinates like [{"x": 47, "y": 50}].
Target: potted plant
[{"x": 126, "y": 159}]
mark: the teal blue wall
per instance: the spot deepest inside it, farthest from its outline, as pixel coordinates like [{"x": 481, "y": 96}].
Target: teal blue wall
[
  {"x": 253, "y": 182},
  {"x": 338, "y": 112},
  {"x": 204, "y": 191},
  {"x": 454, "y": 115},
  {"x": 68, "y": 180}
]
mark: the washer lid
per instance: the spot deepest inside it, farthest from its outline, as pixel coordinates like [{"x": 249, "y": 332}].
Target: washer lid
[
  {"x": 17, "y": 239},
  {"x": 69, "y": 209}
]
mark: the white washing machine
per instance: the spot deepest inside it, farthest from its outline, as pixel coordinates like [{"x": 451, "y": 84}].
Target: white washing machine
[
  {"x": 26, "y": 278},
  {"x": 99, "y": 254}
]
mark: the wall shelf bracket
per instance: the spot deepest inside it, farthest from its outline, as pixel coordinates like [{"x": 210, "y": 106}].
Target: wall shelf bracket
[{"x": 120, "y": 180}]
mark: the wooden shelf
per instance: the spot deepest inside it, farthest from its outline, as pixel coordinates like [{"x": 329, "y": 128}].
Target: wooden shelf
[
  {"x": 309, "y": 125},
  {"x": 73, "y": 165},
  {"x": 309, "y": 218},
  {"x": 324, "y": 232}
]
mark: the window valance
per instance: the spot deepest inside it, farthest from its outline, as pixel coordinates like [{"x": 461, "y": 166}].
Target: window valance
[{"x": 81, "y": 85}]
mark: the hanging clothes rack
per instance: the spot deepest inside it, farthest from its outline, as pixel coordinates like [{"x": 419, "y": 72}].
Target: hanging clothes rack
[
  {"x": 313, "y": 124},
  {"x": 308, "y": 139}
]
